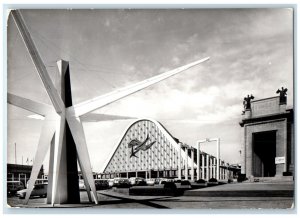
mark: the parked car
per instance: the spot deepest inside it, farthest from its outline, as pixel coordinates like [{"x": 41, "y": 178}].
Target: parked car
[
  {"x": 150, "y": 181},
  {"x": 110, "y": 182},
  {"x": 38, "y": 181},
  {"x": 38, "y": 190},
  {"x": 137, "y": 181},
  {"x": 177, "y": 180},
  {"x": 158, "y": 181},
  {"x": 121, "y": 182},
  {"x": 101, "y": 184},
  {"x": 164, "y": 180},
  {"x": 13, "y": 187}
]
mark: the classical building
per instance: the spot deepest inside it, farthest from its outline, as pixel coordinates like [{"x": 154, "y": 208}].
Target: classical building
[
  {"x": 268, "y": 137},
  {"x": 147, "y": 149}
]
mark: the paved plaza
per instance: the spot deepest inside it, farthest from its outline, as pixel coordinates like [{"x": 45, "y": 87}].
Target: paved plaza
[{"x": 112, "y": 199}]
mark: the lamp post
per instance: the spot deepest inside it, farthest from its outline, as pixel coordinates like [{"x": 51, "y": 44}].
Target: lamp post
[{"x": 218, "y": 155}]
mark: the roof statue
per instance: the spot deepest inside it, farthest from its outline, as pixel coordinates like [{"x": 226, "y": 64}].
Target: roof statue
[
  {"x": 247, "y": 102},
  {"x": 282, "y": 95}
]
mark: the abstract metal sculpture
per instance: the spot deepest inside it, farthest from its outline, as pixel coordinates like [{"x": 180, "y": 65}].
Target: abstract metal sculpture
[{"x": 62, "y": 130}]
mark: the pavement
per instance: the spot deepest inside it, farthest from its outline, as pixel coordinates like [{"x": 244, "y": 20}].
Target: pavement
[
  {"x": 196, "y": 200},
  {"x": 260, "y": 189}
]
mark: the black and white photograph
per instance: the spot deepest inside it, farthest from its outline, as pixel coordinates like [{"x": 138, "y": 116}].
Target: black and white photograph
[{"x": 150, "y": 108}]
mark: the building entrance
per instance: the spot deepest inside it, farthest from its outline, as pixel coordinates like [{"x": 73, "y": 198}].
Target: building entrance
[{"x": 264, "y": 153}]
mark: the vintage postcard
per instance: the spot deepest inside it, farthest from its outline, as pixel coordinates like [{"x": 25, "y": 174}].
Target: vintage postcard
[{"x": 151, "y": 108}]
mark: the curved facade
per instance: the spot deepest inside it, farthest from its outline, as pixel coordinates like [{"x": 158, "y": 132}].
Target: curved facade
[{"x": 148, "y": 150}]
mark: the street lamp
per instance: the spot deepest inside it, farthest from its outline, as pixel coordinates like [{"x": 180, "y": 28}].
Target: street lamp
[{"x": 218, "y": 155}]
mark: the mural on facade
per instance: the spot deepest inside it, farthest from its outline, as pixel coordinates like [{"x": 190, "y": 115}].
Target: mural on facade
[{"x": 136, "y": 146}]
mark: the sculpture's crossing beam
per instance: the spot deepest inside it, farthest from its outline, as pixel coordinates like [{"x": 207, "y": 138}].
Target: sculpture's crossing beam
[{"x": 37, "y": 60}]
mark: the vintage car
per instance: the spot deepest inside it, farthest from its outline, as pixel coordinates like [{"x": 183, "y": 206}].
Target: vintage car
[
  {"x": 38, "y": 190},
  {"x": 101, "y": 184},
  {"x": 121, "y": 183},
  {"x": 137, "y": 181},
  {"x": 13, "y": 187},
  {"x": 150, "y": 181}
]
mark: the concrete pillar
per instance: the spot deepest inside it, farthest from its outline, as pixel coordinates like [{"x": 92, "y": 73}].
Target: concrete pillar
[
  {"x": 221, "y": 172},
  {"x": 227, "y": 172},
  {"x": 214, "y": 167},
  {"x": 127, "y": 174},
  {"x": 192, "y": 165},
  {"x": 186, "y": 164},
  {"x": 284, "y": 146},
  {"x": 179, "y": 161},
  {"x": 210, "y": 167},
  {"x": 218, "y": 159},
  {"x": 207, "y": 167},
  {"x": 243, "y": 154},
  {"x": 198, "y": 161},
  {"x": 203, "y": 166},
  {"x": 136, "y": 174}
]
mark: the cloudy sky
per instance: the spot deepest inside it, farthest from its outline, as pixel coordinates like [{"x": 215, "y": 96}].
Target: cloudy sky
[{"x": 251, "y": 52}]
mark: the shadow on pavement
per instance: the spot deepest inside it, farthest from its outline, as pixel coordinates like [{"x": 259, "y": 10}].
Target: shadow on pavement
[{"x": 129, "y": 200}]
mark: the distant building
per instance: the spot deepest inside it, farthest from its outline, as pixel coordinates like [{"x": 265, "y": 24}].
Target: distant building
[
  {"x": 17, "y": 172},
  {"x": 148, "y": 150},
  {"x": 80, "y": 176},
  {"x": 268, "y": 137}
]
